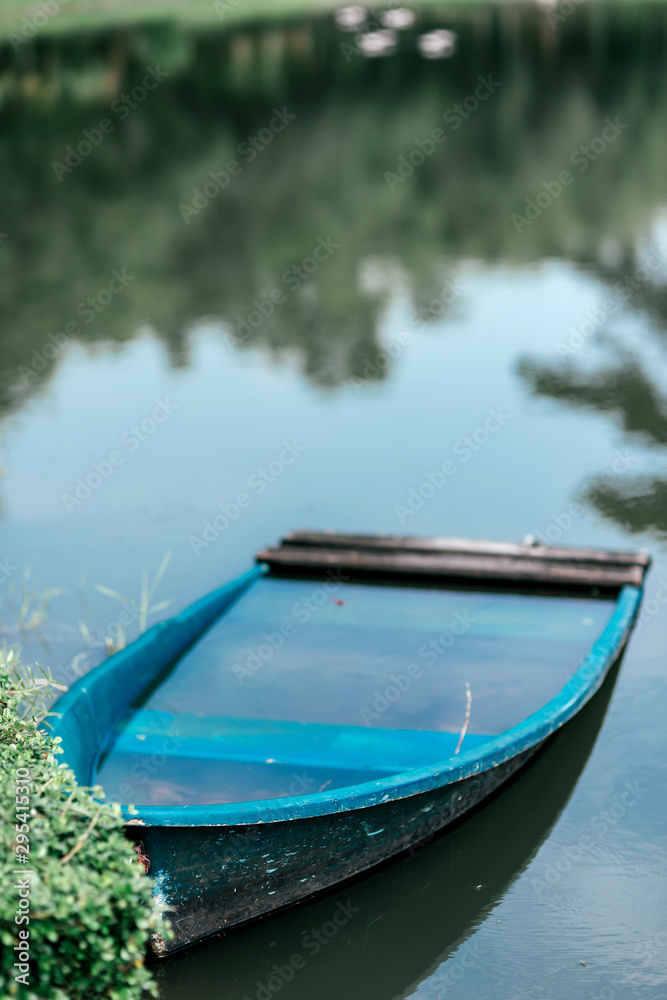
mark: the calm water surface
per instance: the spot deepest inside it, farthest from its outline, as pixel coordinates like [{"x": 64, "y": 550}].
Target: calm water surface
[{"x": 324, "y": 328}]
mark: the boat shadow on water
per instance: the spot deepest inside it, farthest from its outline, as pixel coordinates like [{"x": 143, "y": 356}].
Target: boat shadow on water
[{"x": 380, "y": 935}]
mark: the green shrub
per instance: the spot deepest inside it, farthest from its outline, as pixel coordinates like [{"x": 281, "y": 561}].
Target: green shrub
[{"x": 91, "y": 910}]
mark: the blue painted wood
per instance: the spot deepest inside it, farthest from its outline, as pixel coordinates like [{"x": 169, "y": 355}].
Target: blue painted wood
[
  {"x": 220, "y": 865},
  {"x": 94, "y": 704},
  {"x": 515, "y": 650},
  {"x": 498, "y": 750},
  {"x": 428, "y": 891},
  {"x": 218, "y": 877},
  {"x": 301, "y": 744}
]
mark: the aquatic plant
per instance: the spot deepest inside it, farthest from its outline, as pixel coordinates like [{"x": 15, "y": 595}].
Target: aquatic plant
[{"x": 143, "y": 609}]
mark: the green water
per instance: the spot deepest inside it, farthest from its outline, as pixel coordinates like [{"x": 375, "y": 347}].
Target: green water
[{"x": 309, "y": 348}]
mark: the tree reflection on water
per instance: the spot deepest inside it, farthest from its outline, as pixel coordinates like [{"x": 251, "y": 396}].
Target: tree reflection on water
[
  {"x": 324, "y": 176},
  {"x": 626, "y": 387}
]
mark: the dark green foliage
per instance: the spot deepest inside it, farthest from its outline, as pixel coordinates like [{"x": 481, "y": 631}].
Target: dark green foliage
[{"x": 90, "y": 904}]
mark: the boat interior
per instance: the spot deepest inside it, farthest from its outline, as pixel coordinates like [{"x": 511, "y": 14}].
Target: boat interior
[{"x": 316, "y": 679}]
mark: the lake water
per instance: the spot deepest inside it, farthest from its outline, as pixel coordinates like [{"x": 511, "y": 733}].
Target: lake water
[{"x": 318, "y": 281}]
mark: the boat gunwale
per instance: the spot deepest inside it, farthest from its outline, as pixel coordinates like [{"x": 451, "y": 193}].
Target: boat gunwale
[
  {"x": 532, "y": 731},
  {"x": 170, "y": 639}
]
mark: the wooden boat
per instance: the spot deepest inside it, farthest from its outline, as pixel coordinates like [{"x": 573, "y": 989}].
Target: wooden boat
[
  {"x": 345, "y": 699},
  {"x": 406, "y": 918}
]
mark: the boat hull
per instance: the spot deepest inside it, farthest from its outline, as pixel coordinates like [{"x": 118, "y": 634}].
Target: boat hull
[
  {"x": 215, "y": 878},
  {"x": 220, "y": 865}
]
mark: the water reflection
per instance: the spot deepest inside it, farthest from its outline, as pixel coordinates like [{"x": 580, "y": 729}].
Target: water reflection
[
  {"x": 322, "y": 177},
  {"x": 409, "y": 919},
  {"x": 622, "y": 380},
  {"x": 442, "y": 226}
]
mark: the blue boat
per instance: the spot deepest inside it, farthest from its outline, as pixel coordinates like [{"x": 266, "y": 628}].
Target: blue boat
[
  {"x": 346, "y": 699},
  {"x": 408, "y": 916}
]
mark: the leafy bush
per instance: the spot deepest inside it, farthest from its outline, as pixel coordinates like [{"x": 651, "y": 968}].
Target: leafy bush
[{"x": 91, "y": 910}]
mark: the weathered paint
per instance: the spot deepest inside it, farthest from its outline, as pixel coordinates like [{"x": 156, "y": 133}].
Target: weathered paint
[
  {"x": 217, "y": 877},
  {"x": 212, "y": 861}
]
